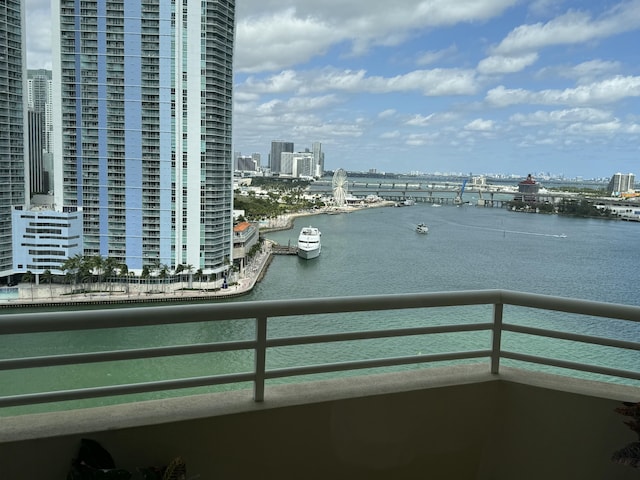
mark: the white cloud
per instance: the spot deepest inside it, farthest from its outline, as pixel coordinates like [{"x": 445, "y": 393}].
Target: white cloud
[
  {"x": 387, "y": 113},
  {"x": 540, "y": 117},
  {"x": 571, "y": 28},
  {"x": 501, "y": 96},
  {"x": 499, "y": 64},
  {"x": 420, "y": 120},
  {"x": 285, "y": 81},
  {"x": 433, "y": 56},
  {"x": 435, "y": 82},
  {"x": 388, "y": 135},
  {"x": 276, "y": 34},
  {"x": 38, "y": 37},
  {"x": 591, "y": 71},
  {"x": 279, "y": 40},
  {"x": 420, "y": 139},
  {"x": 599, "y": 93},
  {"x": 542, "y": 8},
  {"x": 480, "y": 125}
]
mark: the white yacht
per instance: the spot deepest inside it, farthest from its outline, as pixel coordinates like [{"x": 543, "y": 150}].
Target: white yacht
[{"x": 309, "y": 243}]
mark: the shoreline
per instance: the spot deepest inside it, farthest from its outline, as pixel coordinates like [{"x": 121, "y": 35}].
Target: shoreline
[{"x": 254, "y": 272}]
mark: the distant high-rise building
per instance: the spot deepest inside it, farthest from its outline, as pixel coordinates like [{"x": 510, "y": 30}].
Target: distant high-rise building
[
  {"x": 38, "y": 178},
  {"x": 256, "y": 159},
  {"x": 143, "y": 128},
  {"x": 275, "y": 157},
  {"x": 304, "y": 164},
  {"x": 13, "y": 124},
  {"x": 621, "y": 183},
  {"x": 286, "y": 163},
  {"x": 246, "y": 164},
  {"x": 39, "y": 89},
  {"x": 318, "y": 159}
]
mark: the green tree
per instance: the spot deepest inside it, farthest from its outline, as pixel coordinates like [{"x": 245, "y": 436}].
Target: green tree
[
  {"x": 199, "y": 276},
  {"x": 28, "y": 277},
  {"x": 124, "y": 270},
  {"x": 72, "y": 266},
  {"x": 163, "y": 274},
  {"x": 47, "y": 276},
  {"x": 110, "y": 265},
  {"x": 95, "y": 264}
]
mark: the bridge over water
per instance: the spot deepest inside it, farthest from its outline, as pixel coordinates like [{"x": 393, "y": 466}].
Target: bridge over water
[{"x": 443, "y": 193}]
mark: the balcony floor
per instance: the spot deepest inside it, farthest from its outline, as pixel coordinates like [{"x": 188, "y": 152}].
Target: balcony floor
[{"x": 451, "y": 422}]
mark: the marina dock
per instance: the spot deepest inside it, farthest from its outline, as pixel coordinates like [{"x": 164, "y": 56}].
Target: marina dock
[{"x": 284, "y": 250}]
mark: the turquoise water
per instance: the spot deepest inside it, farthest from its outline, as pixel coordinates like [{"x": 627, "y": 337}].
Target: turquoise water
[{"x": 377, "y": 251}]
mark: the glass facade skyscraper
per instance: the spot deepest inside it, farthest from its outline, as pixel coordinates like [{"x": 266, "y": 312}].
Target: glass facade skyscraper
[
  {"x": 278, "y": 147},
  {"x": 144, "y": 143},
  {"x": 13, "y": 124}
]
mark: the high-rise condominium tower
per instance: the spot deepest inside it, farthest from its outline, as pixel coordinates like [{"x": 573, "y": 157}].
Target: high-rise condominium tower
[
  {"x": 278, "y": 147},
  {"x": 39, "y": 100},
  {"x": 144, "y": 143},
  {"x": 621, "y": 183},
  {"x": 13, "y": 123}
]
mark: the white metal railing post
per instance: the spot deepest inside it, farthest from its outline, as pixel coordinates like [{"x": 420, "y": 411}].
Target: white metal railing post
[
  {"x": 496, "y": 338},
  {"x": 261, "y": 359}
]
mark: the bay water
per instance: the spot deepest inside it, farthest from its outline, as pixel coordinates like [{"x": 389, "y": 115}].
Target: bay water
[{"x": 377, "y": 251}]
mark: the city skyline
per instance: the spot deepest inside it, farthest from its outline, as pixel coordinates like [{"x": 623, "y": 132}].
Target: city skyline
[{"x": 480, "y": 86}]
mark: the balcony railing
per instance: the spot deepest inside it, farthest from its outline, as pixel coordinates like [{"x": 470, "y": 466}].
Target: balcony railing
[{"x": 265, "y": 311}]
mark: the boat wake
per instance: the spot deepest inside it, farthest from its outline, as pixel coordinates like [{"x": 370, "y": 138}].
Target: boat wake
[
  {"x": 512, "y": 232},
  {"x": 562, "y": 235}
]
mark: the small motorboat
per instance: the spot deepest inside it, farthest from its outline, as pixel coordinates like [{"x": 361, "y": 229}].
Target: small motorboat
[{"x": 422, "y": 228}]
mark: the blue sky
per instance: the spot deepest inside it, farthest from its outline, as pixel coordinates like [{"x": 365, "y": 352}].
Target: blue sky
[{"x": 449, "y": 86}]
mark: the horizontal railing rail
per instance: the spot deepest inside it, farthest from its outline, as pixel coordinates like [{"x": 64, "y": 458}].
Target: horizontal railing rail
[{"x": 263, "y": 311}]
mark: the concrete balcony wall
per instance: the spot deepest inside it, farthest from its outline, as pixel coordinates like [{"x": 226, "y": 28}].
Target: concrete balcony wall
[{"x": 445, "y": 423}]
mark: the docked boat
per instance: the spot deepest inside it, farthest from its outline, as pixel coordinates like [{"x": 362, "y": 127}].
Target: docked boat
[
  {"x": 422, "y": 228},
  {"x": 309, "y": 245},
  {"x": 407, "y": 202}
]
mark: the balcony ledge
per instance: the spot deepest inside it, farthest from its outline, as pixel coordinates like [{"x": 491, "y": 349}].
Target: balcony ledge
[{"x": 181, "y": 409}]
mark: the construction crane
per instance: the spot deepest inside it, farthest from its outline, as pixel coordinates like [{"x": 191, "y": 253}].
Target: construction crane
[{"x": 458, "y": 199}]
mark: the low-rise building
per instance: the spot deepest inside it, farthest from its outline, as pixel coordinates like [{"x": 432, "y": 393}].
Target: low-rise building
[
  {"x": 44, "y": 238},
  {"x": 245, "y": 236},
  {"x": 527, "y": 189}
]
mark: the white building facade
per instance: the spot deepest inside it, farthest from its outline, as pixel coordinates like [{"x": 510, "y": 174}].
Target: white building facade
[
  {"x": 13, "y": 124},
  {"x": 621, "y": 183},
  {"x": 43, "y": 239},
  {"x": 143, "y": 131}
]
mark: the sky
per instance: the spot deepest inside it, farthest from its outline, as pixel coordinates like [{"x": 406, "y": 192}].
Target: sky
[{"x": 433, "y": 86}]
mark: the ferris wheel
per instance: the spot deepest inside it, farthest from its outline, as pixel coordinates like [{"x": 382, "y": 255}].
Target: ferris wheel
[{"x": 340, "y": 187}]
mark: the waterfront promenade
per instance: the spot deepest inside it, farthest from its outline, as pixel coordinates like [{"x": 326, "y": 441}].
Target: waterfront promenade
[
  {"x": 242, "y": 283},
  {"x": 239, "y": 283}
]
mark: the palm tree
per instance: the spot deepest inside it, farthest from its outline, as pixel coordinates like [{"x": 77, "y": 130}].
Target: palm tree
[
  {"x": 76, "y": 267},
  {"x": 28, "y": 278},
  {"x": 96, "y": 264},
  {"x": 124, "y": 269},
  {"x": 47, "y": 276},
  {"x": 145, "y": 275},
  {"x": 189, "y": 269},
  {"x": 199, "y": 276},
  {"x": 164, "y": 275},
  {"x": 178, "y": 271}
]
